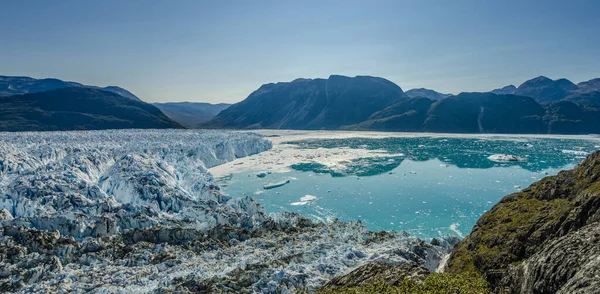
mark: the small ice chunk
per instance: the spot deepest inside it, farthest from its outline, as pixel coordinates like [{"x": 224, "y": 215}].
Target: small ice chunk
[
  {"x": 261, "y": 174},
  {"x": 299, "y": 203},
  {"x": 307, "y": 198},
  {"x": 276, "y": 185}
]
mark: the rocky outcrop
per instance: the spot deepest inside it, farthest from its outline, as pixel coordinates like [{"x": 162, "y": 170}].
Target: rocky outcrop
[
  {"x": 568, "y": 264},
  {"x": 378, "y": 272}
]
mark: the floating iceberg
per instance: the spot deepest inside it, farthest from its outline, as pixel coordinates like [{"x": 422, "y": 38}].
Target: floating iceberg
[{"x": 505, "y": 158}]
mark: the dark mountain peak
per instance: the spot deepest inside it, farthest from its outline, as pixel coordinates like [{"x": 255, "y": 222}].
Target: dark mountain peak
[
  {"x": 510, "y": 89},
  {"x": 426, "y": 93},
  {"x": 566, "y": 85},
  {"x": 543, "y": 89},
  {"x": 301, "y": 80},
  {"x": 537, "y": 81}
]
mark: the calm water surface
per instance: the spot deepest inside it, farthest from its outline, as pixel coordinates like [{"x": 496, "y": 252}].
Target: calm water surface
[{"x": 437, "y": 186}]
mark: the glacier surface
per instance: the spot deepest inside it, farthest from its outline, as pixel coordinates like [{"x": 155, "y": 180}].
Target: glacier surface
[{"x": 137, "y": 211}]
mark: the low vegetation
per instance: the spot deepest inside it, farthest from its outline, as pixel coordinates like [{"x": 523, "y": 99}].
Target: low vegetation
[{"x": 434, "y": 283}]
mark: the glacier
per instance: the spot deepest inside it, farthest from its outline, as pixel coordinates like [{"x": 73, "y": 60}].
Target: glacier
[{"x": 137, "y": 211}]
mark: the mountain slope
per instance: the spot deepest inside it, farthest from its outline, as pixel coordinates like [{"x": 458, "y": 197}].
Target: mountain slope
[
  {"x": 310, "y": 104},
  {"x": 403, "y": 116},
  {"x": 426, "y": 93},
  {"x": 22, "y": 85},
  {"x": 77, "y": 108},
  {"x": 485, "y": 113},
  {"x": 589, "y": 86},
  {"x": 191, "y": 114}
]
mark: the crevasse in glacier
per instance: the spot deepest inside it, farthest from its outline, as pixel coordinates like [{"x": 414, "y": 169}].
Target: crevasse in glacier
[{"x": 97, "y": 183}]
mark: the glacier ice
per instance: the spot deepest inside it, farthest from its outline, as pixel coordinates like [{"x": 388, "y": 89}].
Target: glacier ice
[{"x": 136, "y": 211}]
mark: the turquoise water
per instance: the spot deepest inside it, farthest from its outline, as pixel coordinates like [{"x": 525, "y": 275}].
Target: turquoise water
[{"x": 439, "y": 186}]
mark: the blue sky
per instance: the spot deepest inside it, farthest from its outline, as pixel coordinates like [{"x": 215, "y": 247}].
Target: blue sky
[{"x": 220, "y": 51}]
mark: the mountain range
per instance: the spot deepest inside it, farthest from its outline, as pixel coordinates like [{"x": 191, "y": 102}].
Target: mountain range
[{"x": 540, "y": 105}]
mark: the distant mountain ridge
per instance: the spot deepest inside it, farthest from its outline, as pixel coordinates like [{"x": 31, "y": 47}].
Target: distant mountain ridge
[
  {"x": 539, "y": 105},
  {"x": 426, "y": 93},
  {"x": 191, "y": 114},
  {"x": 510, "y": 89},
  {"x": 12, "y": 85},
  {"x": 78, "y": 108}
]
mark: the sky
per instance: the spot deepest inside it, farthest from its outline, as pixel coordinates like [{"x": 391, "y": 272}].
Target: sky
[{"x": 221, "y": 51}]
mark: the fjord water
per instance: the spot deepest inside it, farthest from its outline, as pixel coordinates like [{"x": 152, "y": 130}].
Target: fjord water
[{"x": 426, "y": 186}]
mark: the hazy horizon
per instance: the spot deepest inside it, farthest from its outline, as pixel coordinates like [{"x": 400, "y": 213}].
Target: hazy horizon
[{"x": 219, "y": 52}]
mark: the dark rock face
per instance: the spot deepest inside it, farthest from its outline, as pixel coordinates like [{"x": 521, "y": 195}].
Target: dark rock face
[
  {"x": 426, "y": 93},
  {"x": 557, "y": 213},
  {"x": 377, "y": 271},
  {"x": 77, "y": 108},
  {"x": 311, "y": 104},
  {"x": 23, "y": 85},
  {"x": 191, "y": 114}
]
